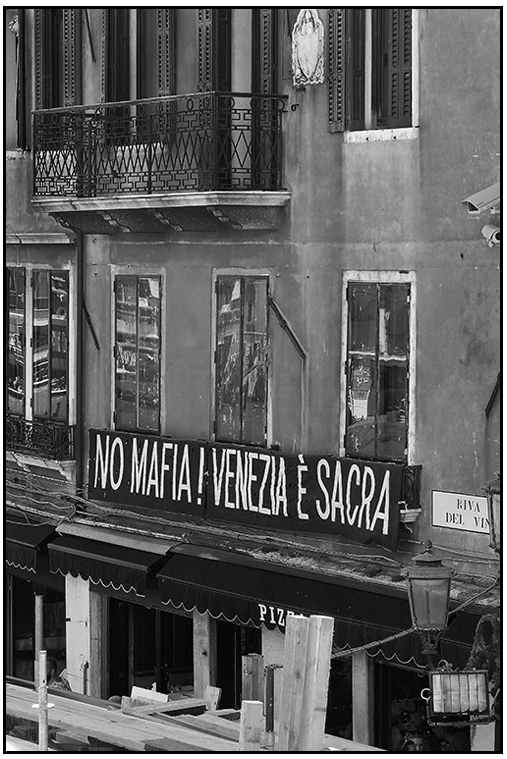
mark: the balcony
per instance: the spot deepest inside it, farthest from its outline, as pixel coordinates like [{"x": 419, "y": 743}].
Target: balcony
[
  {"x": 175, "y": 163},
  {"x": 43, "y": 438}
]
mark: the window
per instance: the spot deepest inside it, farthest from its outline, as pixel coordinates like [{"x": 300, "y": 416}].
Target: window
[
  {"x": 155, "y": 52},
  {"x": 370, "y": 68},
  {"x": 42, "y": 363},
  {"x": 137, "y": 353},
  {"x": 241, "y": 376},
  {"x": 116, "y": 70},
  {"x": 377, "y": 370}
]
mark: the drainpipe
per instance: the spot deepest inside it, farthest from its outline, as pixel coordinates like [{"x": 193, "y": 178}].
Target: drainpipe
[{"x": 80, "y": 384}]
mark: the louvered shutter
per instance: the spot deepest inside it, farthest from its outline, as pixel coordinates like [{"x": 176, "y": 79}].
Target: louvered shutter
[
  {"x": 56, "y": 40},
  {"x": 71, "y": 44},
  {"x": 355, "y": 57},
  {"x": 205, "y": 49},
  {"x": 336, "y": 69},
  {"x": 400, "y": 67},
  {"x": 268, "y": 56},
  {"x": 165, "y": 52}
]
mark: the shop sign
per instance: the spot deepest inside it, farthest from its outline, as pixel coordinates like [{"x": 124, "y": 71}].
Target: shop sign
[
  {"x": 274, "y": 616},
  {"x": 460, "y": 512},
  {"x": 353, "y": 498}
]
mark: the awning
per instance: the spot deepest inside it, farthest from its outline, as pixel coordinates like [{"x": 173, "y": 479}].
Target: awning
[
  {"x": 23, "y": 541},
  {"x": 238, "y": 588},
  {"x": 102, "y": 563}
]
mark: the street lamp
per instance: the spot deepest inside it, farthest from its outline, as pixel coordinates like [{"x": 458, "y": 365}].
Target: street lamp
[
  {"x": 493, "y": 493},
  {"x": 429, "y": 590}
]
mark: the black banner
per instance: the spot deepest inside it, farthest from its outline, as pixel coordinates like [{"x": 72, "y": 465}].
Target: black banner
[
  {"x": 319, "y": 494},
  {"x": 142, "y": 470}
]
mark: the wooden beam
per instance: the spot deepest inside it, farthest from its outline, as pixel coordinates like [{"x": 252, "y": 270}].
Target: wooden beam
[
  {"x": 316, "y": 683},
  {"x": 251, "y": 726},
  {"x": 252, "y": 678},
  {"x": 294, "y": 663}
]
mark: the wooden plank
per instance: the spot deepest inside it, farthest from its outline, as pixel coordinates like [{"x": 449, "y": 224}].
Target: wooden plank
[
  {"x": 128, "y": 706},
  {"x": 252, "y": 688},
  {"x": 251, "y": 726},
  {"x": 112, "y": 727},
  {"x": 291, "y": 697},
  {"x": 208, "y": 723},
  {"x": 149, "y": 695},
  {"x": 316, "y": 679},
  {"x": 212, "y": 697}
]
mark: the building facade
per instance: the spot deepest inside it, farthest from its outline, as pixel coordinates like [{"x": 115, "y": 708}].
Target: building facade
[{"x": 253, "y": 349}]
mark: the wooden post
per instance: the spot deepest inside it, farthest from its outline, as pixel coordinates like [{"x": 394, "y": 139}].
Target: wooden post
[
  {"x": 252, "y": 687},
  {"x": 294, "y": 662},
  {"x": 250, "y": 726},
  {"x": 38, "y": 639},
  {"x": 362, "y": 698},
  {"x": 316, "y": 683},
  {"x": 269, "y": 705},
  {"x": 43, "y": 703}
]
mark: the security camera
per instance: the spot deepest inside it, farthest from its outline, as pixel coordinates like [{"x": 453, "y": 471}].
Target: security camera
[
  {"x": 479, "y": 201},
  {"x": 492, "y": 234}
]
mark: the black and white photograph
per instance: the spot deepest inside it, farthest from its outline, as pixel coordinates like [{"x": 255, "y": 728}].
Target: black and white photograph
[{"x": 253, "y": 380}]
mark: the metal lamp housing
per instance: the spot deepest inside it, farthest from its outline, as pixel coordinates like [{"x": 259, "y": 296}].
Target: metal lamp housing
[
  {"x": 429, "y": 590},
  {"x": 493, "y": 494}
]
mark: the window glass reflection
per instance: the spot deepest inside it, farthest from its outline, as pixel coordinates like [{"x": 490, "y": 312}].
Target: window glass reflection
[
  {"x": 137, "y": 370},
  {"x": 41, "y": 368},
  {"x": 377, "y": 371},
  {"x": 59, "y": 344},
  {"x": 16, "y": 342}
]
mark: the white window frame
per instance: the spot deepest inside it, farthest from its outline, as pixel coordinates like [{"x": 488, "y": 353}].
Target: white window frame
[
  {"x": 138, "y": 271},
  {"x": 29, "y": 269},
  {"x": 388, "y": 278},
  {"x": 387, "y": 135},
  {"x": 239, "y": 272}
]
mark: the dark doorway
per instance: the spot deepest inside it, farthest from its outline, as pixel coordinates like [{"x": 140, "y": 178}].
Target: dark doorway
[
  {"x": 233, "y": 642},
  {"x": 148, "y": 647}
]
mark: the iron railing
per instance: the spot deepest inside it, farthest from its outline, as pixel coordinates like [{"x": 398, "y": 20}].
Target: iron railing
[
  {"x": 183, "y": 143},
  {"x": 51, "y": 440}
]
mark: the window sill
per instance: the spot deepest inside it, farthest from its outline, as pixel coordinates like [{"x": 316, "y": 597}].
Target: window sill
[{"x": 381, "y": 135}]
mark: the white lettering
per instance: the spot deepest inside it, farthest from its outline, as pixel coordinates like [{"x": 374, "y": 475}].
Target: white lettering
[
  {"x": 164, "y": 467},
  {"x": 382, "y": 510},
  {"x": 217, "y": 481},
  {"x": 267, "y": 459},
  {"x": 102, "y": 461},
  {"x": 115, "y": 484},
  {"x": 229, "y": 474},
  {"x": 185, "y": 481},
  {"x": 354, "y": 469},
  {"x": 138, "y": 468},
  {"x": 154, "y": 471},
  {"x": 301, "y": 490},
  {"x": 251, "y": 478},
  {"x": 323, "y": 513},
  {"x": 366, "y": 497},
  {"x": 242, "y": 481}
]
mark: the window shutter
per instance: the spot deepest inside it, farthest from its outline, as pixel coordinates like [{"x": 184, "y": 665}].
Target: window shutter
[
  {"x": 267, "y": 56},
  {"x": 205, "y": 52},
  {"x": 165, "y": 51},
  {"x": 336, "y": 69},
  {"x": 214, "y": 49},
  {"x": 355, "y": 56},
  {"x": 70, "y": 26},
  {"x": 400, "y": 67}
]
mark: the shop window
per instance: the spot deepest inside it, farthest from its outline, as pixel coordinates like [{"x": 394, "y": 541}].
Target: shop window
[
  {"x": 370, "y": 68},
  {"x": 43, "y": 360},
  {"x": 377, "y": 370},
  {"x": 241, "y": 356},
  {"x": 137, "y": 353}
]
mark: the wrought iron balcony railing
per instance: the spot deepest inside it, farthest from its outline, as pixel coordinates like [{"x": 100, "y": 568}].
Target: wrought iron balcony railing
[
  {"x": 51, "y": 440},
  {"x": 183, "y": 143}
]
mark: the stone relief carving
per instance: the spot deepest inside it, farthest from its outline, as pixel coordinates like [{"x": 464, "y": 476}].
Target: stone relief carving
[{"x": 308, "y": 49}]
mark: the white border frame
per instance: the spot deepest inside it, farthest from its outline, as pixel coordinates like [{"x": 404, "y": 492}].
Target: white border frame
[
  {"x": 239, "y": 271},
  {"x": 139, "y": 270},
  {"x": 375, "y": 277}
]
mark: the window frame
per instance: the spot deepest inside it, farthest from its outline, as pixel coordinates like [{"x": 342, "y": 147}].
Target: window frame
[
  {"x": 338, "y": 67},
  {"x": 138, "y": 273},
  {"x": 387, "y": 278},
  {"x": 28, "y": 414},
  {"x": 254, "y": 273}
]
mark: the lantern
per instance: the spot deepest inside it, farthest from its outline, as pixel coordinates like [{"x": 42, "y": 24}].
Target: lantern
[
  {"x": 429, "y": 590},
  {"x": 493, "y": 493}
]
